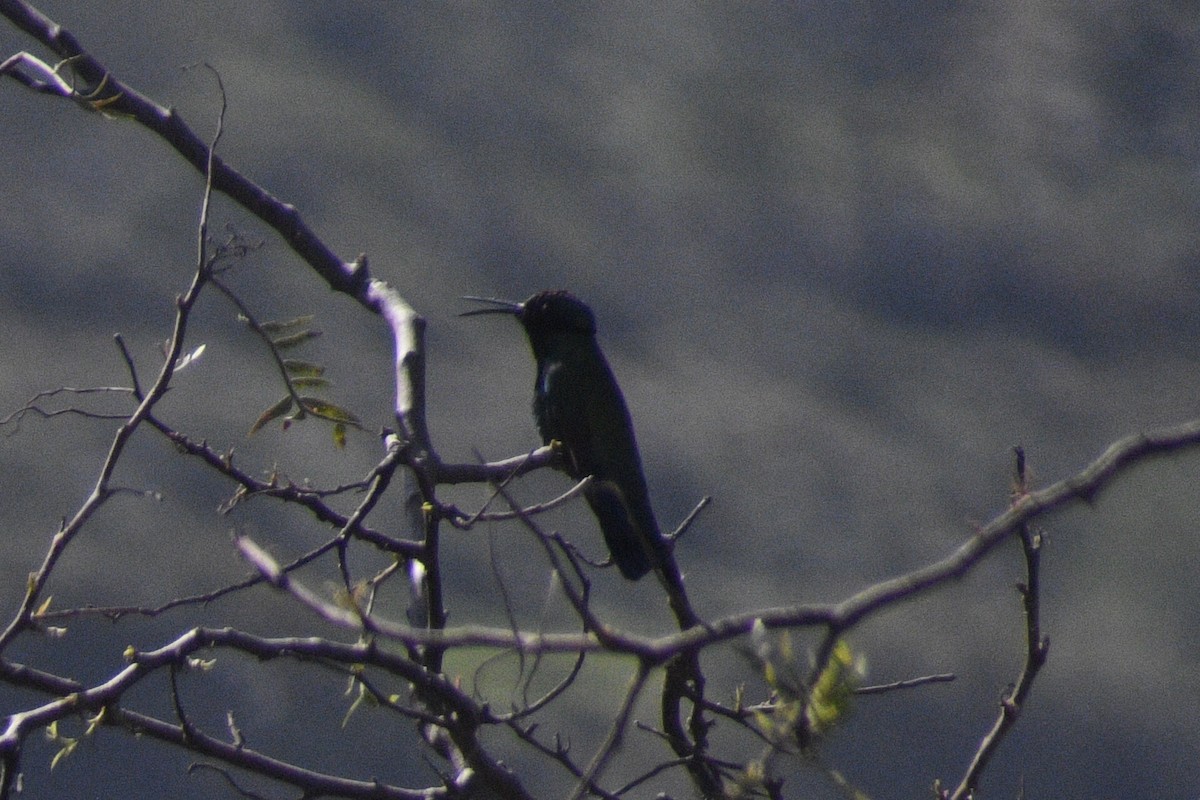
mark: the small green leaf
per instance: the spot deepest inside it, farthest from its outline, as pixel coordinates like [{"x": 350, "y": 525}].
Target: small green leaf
[
  {"x": 294, "y": 339},
  {"x": 829, "y": 701},
  {"x": 274, "y": 412},
  {"x": 95, "y": 722},
  {"x": 303, "y": 369},
  {"x": 310, "y": 383},
  {"x": 283, "y": 325},
  {"x": 329, "y": 411},
  {"x": 362, "y": 698},
  {"x": 68, "y": 747},
  {"x": 770, "y": 675}
]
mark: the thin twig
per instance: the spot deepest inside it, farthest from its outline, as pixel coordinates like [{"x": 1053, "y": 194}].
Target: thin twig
[
  {"x": 1036, "y": 646},
  {"x": 908, "y": 683},
  {"x": 616, "y": 733}
]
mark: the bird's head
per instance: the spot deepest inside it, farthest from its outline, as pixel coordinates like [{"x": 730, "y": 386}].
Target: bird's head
[{"x": 546, "y": 314}]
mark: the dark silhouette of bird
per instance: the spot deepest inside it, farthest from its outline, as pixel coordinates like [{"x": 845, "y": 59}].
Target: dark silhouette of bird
[{"x": 576, "y": 401}]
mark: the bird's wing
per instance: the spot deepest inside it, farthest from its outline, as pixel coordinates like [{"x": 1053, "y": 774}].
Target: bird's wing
[
  {"x": 564, "y": 409},
  {"x": 582, "y": 407}
]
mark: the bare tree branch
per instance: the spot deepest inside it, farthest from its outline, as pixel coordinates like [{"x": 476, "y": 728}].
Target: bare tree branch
[
  {"x": 1037, "y": 647},
  {"x": 412, "y": 646}
]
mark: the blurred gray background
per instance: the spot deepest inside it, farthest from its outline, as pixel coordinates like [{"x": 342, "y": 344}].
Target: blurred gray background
[{"x": 844, "y": 256}]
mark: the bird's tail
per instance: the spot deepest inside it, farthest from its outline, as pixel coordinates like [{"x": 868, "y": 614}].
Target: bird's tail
[
  {"x": 637, "y": 546},
  {"x": 629, "y": 547}
]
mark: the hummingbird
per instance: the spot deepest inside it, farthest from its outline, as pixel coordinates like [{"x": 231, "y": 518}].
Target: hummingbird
[{"x": 577, "y": 402}]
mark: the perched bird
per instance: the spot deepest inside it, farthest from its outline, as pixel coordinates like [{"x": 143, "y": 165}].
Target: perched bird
[{"x": 577, "y": 402}]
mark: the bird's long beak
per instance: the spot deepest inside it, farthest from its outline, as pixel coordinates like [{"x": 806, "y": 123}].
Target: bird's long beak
[{"x": 499, "y": 307}]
